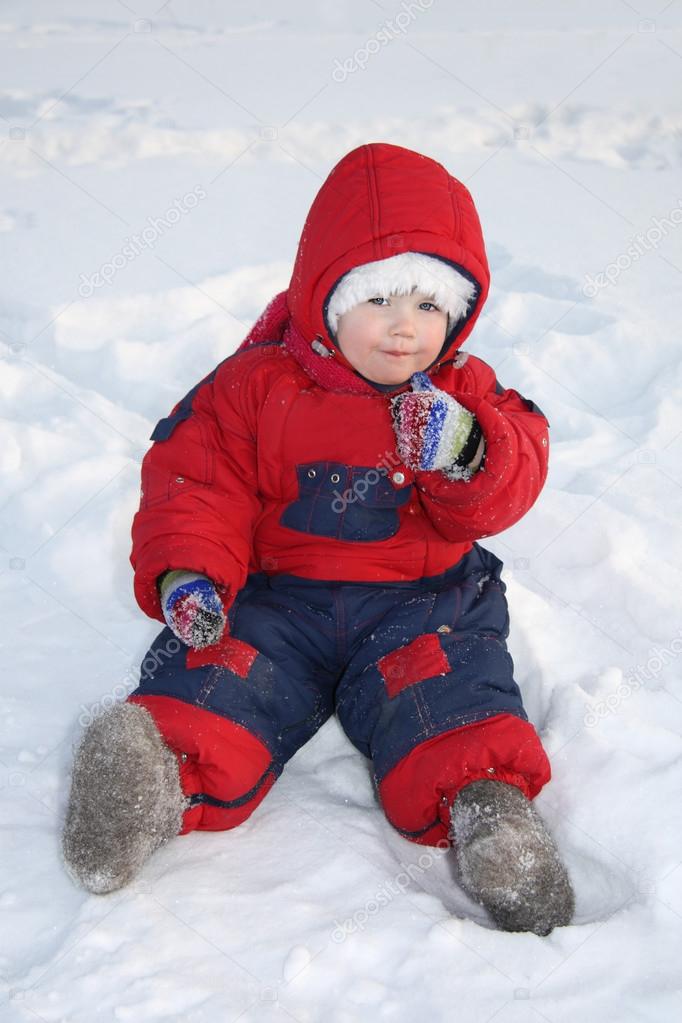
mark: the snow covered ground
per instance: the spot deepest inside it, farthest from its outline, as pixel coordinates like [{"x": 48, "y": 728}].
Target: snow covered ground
[{"x": 206, "y": 129}]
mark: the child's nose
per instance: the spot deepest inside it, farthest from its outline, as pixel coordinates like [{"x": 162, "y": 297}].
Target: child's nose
[{"x": 404, "y": 324}]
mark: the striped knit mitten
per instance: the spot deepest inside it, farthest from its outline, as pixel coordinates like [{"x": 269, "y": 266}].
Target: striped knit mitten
[
  {"x": 192, "y": 608},
  {"x": 433, "y": 430}
]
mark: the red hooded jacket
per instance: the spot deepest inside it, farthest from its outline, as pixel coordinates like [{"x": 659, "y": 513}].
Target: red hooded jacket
[{"x": 284, "y": 459}]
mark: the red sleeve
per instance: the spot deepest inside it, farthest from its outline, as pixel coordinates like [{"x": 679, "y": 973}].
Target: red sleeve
[
  {"x": 199, "y": 488},
  {"x": 515, "y": 467}
]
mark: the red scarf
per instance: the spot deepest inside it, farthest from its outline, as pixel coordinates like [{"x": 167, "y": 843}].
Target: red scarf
[{"x": 275, "y": 324}]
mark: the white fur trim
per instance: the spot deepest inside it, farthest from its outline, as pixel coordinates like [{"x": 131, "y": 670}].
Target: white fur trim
[{"x": 401, "y": 275}]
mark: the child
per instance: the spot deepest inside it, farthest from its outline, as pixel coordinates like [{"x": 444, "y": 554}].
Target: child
[{"x": 307, "y": 530}]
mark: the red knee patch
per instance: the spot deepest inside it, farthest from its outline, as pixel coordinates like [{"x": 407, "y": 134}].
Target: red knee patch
[
  {"x": 422, "y": 658},
  {"x": 228, "y": 652},
  {"x": 418, "y": 792},
  {"x": 223, "y": 760}
]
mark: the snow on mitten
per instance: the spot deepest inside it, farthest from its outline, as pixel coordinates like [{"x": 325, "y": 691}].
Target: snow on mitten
[
  {"x": 192, "y": 608},
  {"x": 433, "y": 430}
]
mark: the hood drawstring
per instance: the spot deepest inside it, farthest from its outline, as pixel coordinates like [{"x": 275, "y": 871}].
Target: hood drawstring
[{"x": 319, "y": 347}]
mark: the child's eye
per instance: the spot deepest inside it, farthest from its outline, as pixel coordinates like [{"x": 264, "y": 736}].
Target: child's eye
[{"x": 427, "y": 306}]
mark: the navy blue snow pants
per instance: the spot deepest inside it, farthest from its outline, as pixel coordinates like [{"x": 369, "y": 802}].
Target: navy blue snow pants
[{"x": 417, "y": 672}]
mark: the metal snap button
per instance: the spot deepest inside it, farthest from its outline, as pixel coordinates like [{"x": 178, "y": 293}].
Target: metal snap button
[
  {"x": 335, "y": 477},
  {"x": 398, "y": 477},
  {"x": 311, "y": 474},
  {"x": 179, "y": 479}
]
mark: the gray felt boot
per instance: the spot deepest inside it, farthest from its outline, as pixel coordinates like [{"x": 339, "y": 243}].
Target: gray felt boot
[
  {"x": 125, "y": 799},
  {"x": 507, "y": 860}
]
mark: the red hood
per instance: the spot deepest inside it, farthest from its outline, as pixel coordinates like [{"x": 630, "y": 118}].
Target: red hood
[{"x": 379, "y": 200}]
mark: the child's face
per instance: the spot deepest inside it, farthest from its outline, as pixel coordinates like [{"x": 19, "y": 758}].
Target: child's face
[{"x": 389, "y": 339}]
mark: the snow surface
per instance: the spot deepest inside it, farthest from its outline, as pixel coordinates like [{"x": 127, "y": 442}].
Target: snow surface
[{"x": 565, "y": 122}]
